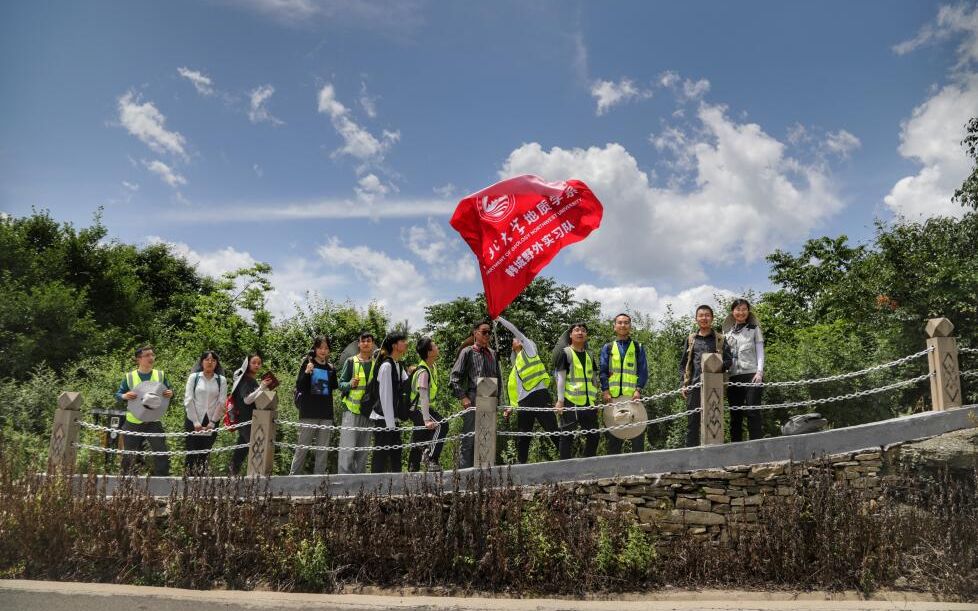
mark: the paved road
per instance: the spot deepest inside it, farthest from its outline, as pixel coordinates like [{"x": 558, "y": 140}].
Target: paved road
[{"x": 31, "y": 595}]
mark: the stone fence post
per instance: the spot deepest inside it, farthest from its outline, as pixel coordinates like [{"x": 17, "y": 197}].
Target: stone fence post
[
  {"x": 486, "y": 406},
  {"x": 64, "y": 433},
  {"x": 711, "y": 400},
  {"x": 261, "y": 451},
  {"x": 945, "y": 381}
]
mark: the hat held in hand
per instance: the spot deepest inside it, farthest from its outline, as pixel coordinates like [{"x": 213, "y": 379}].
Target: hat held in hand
[
  {"x": 149, "y": 404},
  {"x": 625, "y": 413}
]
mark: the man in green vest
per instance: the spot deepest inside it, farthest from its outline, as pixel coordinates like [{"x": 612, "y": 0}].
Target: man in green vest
[
  {"x": 145, "y": 359},
  {"x": 577, "y": 384},
  {"x": 624, "y": 372},
  {"x": 528, "y": 386},
  {"x": 357, "y": 372}
]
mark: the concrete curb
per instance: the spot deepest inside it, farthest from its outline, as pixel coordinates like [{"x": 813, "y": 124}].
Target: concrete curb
[{"x": 28, "y": 595}]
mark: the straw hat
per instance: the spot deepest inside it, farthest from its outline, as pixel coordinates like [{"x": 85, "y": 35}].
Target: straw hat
[
  {"x": 149, "y": 404},
  {"x": 626, "y": 412}
]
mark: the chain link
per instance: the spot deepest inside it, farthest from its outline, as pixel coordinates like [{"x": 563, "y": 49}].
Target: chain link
[
  {"x": 333, "y": 427},
  {"x": 574, "y": 408},
  {"x": 85, "y": 446},
  {"x": 598, "y": 430},
  {"x": 415, "y": 444},
  {"x": 966, "y": 350},
  {"x": 969, "y": 374},
  {"x": 107, "y": 429},
  {"x": 852, "y": 395},
  {"x": 835, "y": 378}
]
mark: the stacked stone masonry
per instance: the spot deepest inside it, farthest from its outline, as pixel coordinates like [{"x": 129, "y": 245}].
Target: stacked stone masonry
[{"x": 712, "y": 504}]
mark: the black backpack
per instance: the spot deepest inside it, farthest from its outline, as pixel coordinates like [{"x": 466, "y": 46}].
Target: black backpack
[{"x": 402, "y": 389}]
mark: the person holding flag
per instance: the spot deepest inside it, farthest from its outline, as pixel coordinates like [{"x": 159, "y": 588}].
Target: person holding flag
[
  {"x": 475, "y": 361},
  {"x": 577, "y": 384},
  {"x": 528, "y": 386},
  {"x": 623, "y": 373}
]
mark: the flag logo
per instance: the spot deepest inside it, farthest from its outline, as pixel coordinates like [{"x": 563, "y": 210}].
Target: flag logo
[{"x": 495, "y": 209}]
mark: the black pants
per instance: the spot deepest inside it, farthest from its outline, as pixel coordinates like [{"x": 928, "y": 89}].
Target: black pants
[
  {"x": 467, "y": 455},
  {"x": 196, "y": 464},
  {"x": 386, "y": 461},
  {"x": 585, "y": 419},
  {"x": 241, "y": 454},
  {"x": 526, "y": 418},
  {"x": 637, "y": 444},
  {"x": 419, "y": 436},
  {"x": 161, "y": 464},
  {"x": 740, "y": 396}
]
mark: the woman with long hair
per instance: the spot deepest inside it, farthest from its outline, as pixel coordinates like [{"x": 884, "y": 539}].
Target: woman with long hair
[
  {"x": 315, "y": 386},
  {"x": 245, "y": 391},
  {"x": 746, "y": 342},
  {"x": 389, "y": 385},
  {"x": 203, "y": 400}
]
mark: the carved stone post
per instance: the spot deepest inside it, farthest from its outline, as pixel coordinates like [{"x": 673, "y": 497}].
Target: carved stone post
[
  {"x": 64, "y": 433},
  {"x": 261, "y": 452},
  {"x": 945, "y": 381},
  {"x": 486, "y": 405},
  {"x": 711, "y": 400}
]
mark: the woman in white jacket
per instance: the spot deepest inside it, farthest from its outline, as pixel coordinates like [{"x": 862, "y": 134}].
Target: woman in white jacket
[
  {"x": 746, "y": 341},
  {"x": 204, "y": 401}
]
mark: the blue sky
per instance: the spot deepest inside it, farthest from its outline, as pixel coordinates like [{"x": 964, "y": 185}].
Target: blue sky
[{"x": 333, "y": 139}]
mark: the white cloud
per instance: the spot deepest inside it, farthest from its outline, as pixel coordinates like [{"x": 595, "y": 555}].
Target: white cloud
[
  {"x": 258, "y": 113},
  {"x": 294, "y": 282},
  {"x": 668, "y": 78},
  {"x": 395, "y": 16},
  {"x": 933, "y": 133},
  {"x": 214, "y": 263},
  {"x": 445, "y": 257},
  {"x": 686, "y": 90},
  {"x": 147, "y": 123},
  {"x": 951, "y": 20},
  {"x": 609, "y": 94},
  {"x": 257, "y": 169},
  {"x": 395, "y": 284},
  {"x": 131, "y": 186},
  {"x": 202, "y": 83},
  {"x": 165, "y": 172},
  {"x": 932, "y": 137},
  {"x": 646, "y": 299},
  {"x": 842, "y": 143},
  {"x": 297, "y": 280},
  {"x": 322, "y": 209},
  {"x": 747, "y": 198},
  {"x": 358, "y": 142},
  {"x": 367, "y": 102},
  {"x": 446, "y": 191},
  {"x": 370, "y": 188},
  {"x": 694, "y": 90}
]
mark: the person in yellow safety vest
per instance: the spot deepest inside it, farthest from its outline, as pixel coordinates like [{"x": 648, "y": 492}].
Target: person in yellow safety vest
[
  {"x": 357, "y": 372},
  {"x": 624, "y": 372},
  {"x": 424, "y": 389},
  {"x": 528, "y": 386},
  {"x": 145, "y": 359},
  {"x": 577, "y": 384}
]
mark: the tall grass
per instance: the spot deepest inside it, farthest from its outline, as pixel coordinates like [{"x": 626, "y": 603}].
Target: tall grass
[{"x": 477, "y": 534}]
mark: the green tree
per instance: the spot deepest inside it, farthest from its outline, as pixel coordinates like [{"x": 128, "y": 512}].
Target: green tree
[{"x": 967, "y": 194}]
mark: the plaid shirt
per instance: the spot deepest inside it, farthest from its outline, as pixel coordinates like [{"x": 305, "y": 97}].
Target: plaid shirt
[{"x": 473, "y": 363}]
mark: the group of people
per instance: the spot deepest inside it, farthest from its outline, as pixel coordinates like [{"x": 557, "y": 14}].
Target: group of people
[{"x": 379, "y": 390}]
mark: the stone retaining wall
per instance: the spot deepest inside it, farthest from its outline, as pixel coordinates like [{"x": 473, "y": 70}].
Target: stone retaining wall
[{"x": 711, "y": 504}]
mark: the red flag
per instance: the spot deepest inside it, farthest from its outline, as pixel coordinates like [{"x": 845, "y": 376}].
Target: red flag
[{"x": 517, "y": 226}]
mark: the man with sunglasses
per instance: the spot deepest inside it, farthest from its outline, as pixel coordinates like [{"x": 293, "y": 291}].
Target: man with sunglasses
[{"x": 474, "y": 361}]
